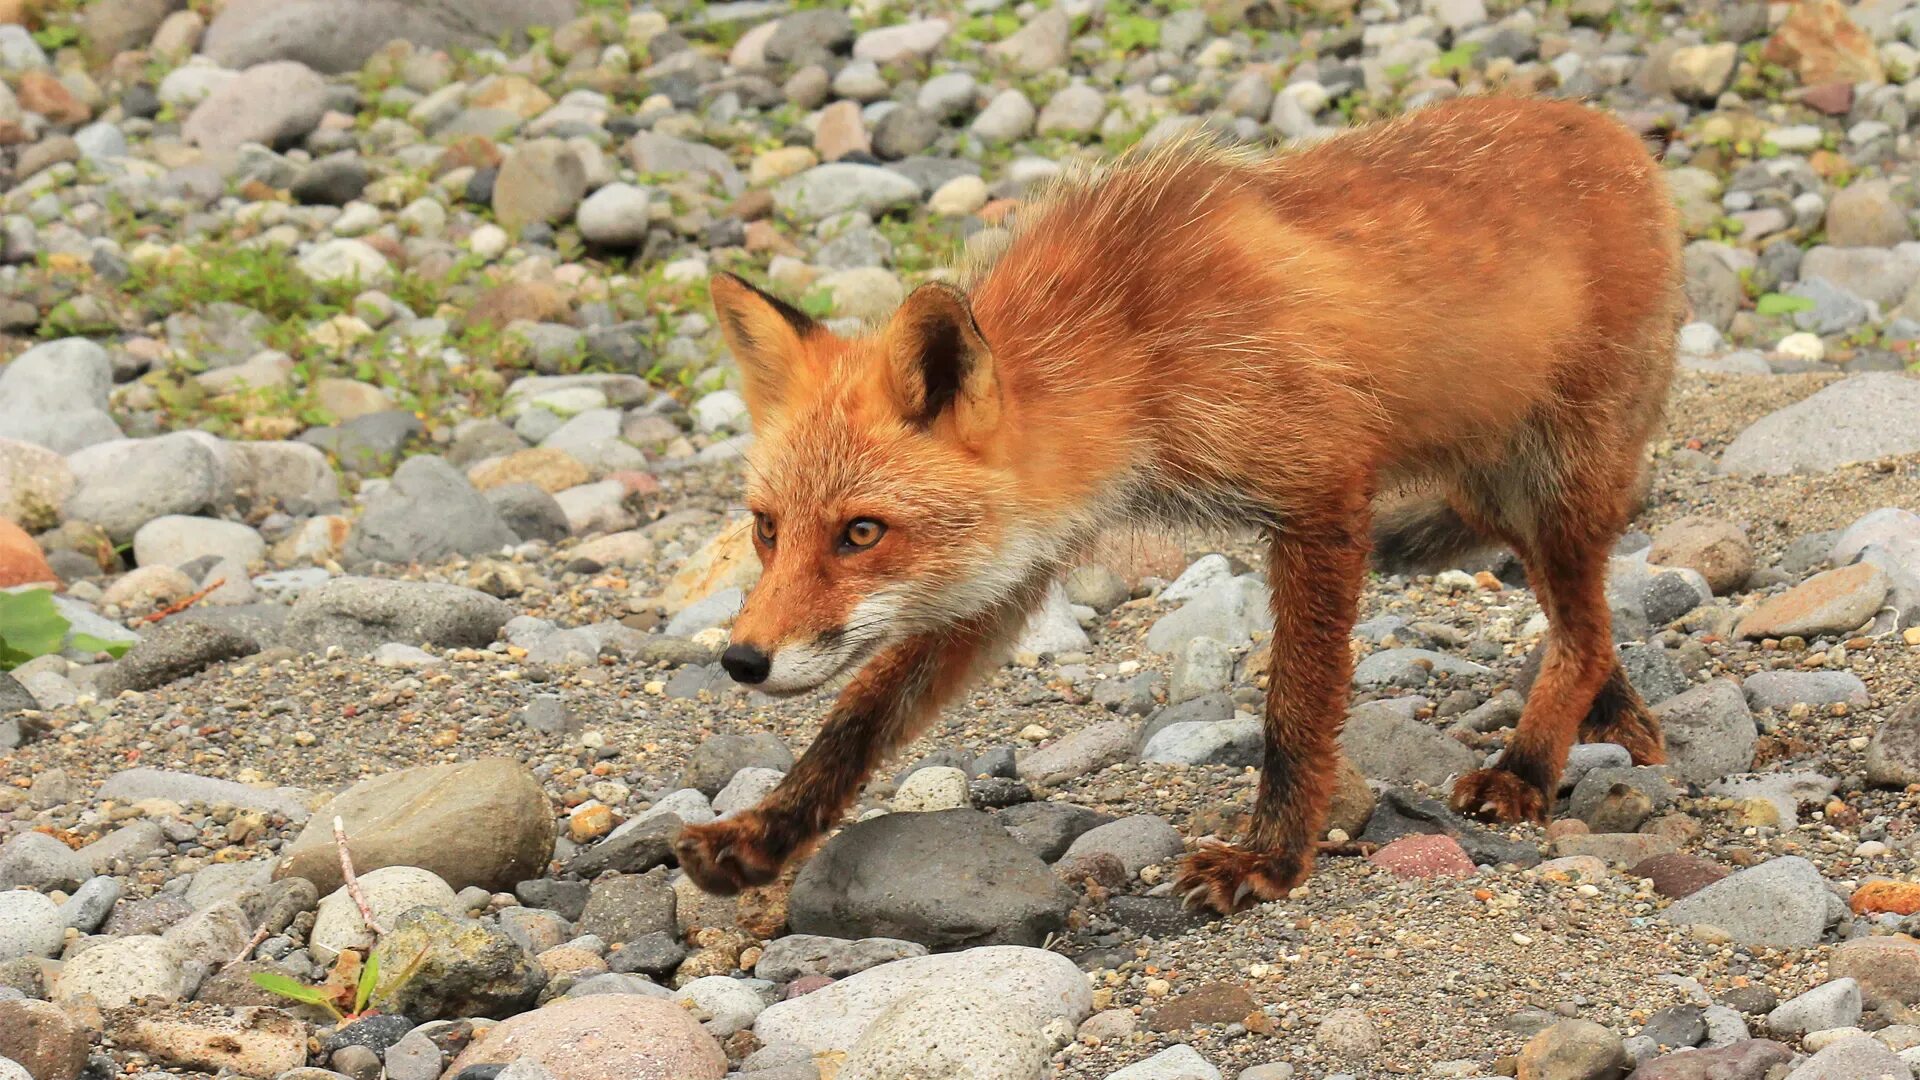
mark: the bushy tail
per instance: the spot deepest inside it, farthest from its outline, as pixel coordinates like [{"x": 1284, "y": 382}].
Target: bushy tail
[{"x": 1422, "y": 535}]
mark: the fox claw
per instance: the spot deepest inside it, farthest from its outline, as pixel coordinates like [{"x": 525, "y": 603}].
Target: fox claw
[
  {"x": 726, "y": 857},
  {"x": 1228, "y": 878}
]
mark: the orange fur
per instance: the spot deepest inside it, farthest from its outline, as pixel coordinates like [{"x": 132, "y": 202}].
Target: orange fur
[{"x": 1478, "y": 299}]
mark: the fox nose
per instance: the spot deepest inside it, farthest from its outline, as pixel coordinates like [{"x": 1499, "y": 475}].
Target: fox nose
[{"x": 746, "y": 664}]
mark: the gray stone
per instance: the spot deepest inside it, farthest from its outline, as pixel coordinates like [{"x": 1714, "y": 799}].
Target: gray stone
[
  {"x": 715, "y": 761},
  {"x": 626, "y": 907},
  {"x": 617, "y": 215},
  {"x": 1834, "y": 310},
  {"x": 1709, "y": 731},
  {"x": 944, "y": 879},
  {"x": 1411, "y": 668},
  {"x": 1178, "y": 1062},
  {"x": 429, "y": 512},
  {"x": 1858, "y": 1057},
  {"x": 334, "y": 36},
  {"x": 786, "y": 959},
  {"x": 273, "y": 104},
  {"x": 360, "y": 614},
  {"x": 35, "y": 860},
  {"x": 1783, "y": 902},
  {"x": 124, "y": 484},
  {"x": 177, "y": 539},
  {"x": 1238, "y": 741},
  {"x": 172, "y": 651},
  {"x": 1078, "y": 754},
  {"x": 1228, "y": 611},
  {"x": 1830, "y": 1005},
  {"x": 529, "y": 513},
  {"x": 55, "y": 395},
  {"x": 1782, "y": 689},
  {"x": 839, "y": 187},
  {"x": 1048, "y": 829},
  {"x": 30, "y": 925},
  {"x": 1385, "y": 743},
  {"x": 1860, "y": 418},
  {"x": 134, "y": 785},
  {"x": 1043, "y": 984},
  {"x": 1138, "y": 842}
]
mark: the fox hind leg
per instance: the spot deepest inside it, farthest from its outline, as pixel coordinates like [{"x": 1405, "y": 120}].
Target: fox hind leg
[
  {"x": 1563, "y": 532},
  {"x": 1316, "y": 570}
]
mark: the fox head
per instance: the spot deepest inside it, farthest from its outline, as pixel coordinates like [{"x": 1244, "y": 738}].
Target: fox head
[{"x": 878, "y": 503}]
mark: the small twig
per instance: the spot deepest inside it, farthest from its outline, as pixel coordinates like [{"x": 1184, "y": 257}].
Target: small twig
[
  {"x": 353, "y": 883},
  {"x": 259, "y": 936},
  {"x": 179, "y": 606}
]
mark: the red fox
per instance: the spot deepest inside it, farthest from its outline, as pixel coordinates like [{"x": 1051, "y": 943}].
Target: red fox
[{"x": 1475, "y": 303}]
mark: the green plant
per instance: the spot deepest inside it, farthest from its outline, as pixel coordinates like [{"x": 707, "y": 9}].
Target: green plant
[
  {"x": 31, "y": 626},
  {"x": 366, "y": 988},
  {"x": 1782, "y": 304}
]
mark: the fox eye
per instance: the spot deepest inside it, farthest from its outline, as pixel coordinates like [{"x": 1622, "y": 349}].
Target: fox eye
[
  {"x": 862, "y": 534},
  {"x": 764, "y": 530}
]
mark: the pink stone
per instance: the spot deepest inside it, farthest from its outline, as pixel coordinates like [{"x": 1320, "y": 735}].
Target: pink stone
[{"x": 1424, "y": 857}]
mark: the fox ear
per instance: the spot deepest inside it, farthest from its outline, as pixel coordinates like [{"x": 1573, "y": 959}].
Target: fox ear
[
  {"x": 765, "y": 334},
  {"x": 940, "y": 365}
]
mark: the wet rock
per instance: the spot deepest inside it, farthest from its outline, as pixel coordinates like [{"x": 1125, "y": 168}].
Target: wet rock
[{"x": 467, "y": 968}]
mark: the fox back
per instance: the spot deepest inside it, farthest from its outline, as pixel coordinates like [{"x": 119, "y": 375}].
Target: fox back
[{"x": 1199, "y": 336}]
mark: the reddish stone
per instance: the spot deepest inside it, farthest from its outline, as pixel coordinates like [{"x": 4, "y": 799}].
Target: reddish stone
[
  {"x": 1424, "y": 856},
  {"x": 807, "y": 984},
  {"x": 1679, "y": 874},
  {"x": 1886, "y": 897},
  {"x": 21, "y": 560},
  {"x": 41, "y": 93},
  {"x": 997, "y": 211},
  {"x": 634, "y": 482},
  {"x": 752, "y": 205},
  {"x": 1887, "y": 969},
  {"x": 1833, "y": 99},
  {"x": 1213, "y": 1003},
  {"x": 1823, "y": 45}
]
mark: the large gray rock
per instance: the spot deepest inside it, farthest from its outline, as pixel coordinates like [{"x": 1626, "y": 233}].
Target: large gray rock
[
  {"x": 1709, "y": 731},
  {"x": 134, "y": 785},
  {"x": 360, "y": 614},
  {"x": 339, "y": 35},
  {"x": 945, "y": 879},
  {"x": 838, "y": 187},
  {"x": 273, "y": 104},
  {"x": 124, "y": 484},
  {"x": 55, "y": 395},
  {"x": 1858, "y": 1057},
  {"x": 35, "y": 860},
  {"x": 1857, "y": 419},
  {"x": 430, "y": 512},
  {"x": 173, "y": 651},
  {"x": 30, "y": 925},
  {"x": 289, "y": 476},
  {"x": 1385, "y": 743},
  {"x": 1042, "y": 984},
  {"x": 1783, "y": 902}
]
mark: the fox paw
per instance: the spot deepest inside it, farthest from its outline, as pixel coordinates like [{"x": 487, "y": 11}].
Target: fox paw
[
  {"x": 1229, "y": 877},
  {"x": 1499, "y": 795},
  {"x": 726, "y": 857}
]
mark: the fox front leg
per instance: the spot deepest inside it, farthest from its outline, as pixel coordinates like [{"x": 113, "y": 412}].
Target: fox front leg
[{"x": 885, "y": 706}]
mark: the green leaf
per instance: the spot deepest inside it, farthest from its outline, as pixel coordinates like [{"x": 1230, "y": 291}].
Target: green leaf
[
  {"x": 30, "y": 626},
  {"x": 369, "y": 978},
  {"x": 1782, "y": 304},
  {"x": 89, "y": 643},
  {"x": 288, "y": 988}
]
